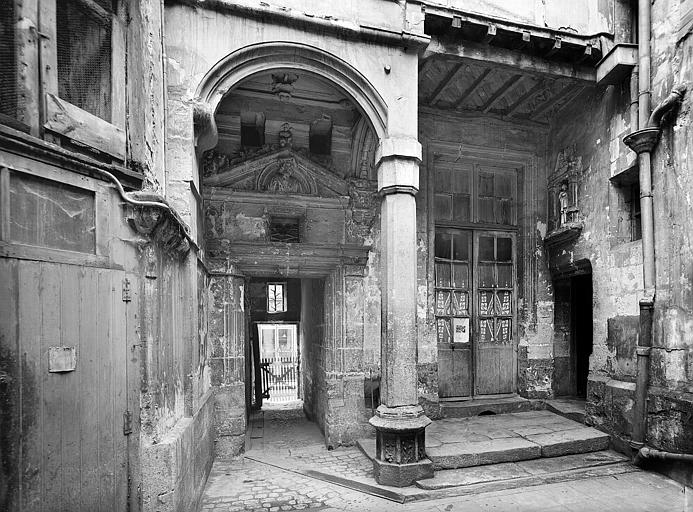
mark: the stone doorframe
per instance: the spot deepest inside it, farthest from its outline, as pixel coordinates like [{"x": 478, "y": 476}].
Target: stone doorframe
[{"x": 534, "y": 303}]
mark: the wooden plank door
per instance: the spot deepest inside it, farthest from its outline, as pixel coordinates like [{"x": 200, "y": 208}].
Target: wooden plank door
[
  {"x": 494, "y": 301},
  {"x": 453, "y": 251},
  {"x": 70, "y": 451}
]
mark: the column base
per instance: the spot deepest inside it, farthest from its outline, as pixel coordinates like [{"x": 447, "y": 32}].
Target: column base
[
  {"x": 402, "y": 475},
  {"x": 400, "y": 453}
]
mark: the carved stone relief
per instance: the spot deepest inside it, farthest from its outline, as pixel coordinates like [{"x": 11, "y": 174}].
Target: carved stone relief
[{"x": 564, "y": 196}]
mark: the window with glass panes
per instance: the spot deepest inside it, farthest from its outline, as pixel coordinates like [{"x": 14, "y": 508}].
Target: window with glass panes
[
  {"x": 495, "y": 289},
  {"x": 452, "y": 265},
  {"x": 276, "y": 297},
  {"x": 492, "y": 203}
]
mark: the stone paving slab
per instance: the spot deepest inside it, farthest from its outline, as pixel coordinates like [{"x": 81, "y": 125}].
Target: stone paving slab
[
  {"x": 487, "y": 451},
  {"x": 464, "y": 442},
  {"x": 581, "y": 440}
]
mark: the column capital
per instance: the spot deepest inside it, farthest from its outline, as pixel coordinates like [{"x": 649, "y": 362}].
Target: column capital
[
  {"x": 407, "y": 148},
  {"x": 397, "y": 161}
]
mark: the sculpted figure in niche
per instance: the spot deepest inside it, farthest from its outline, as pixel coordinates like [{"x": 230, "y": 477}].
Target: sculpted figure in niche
[
  {"x": 285, "y": 136},
  {"x": 563, "y": 203}
]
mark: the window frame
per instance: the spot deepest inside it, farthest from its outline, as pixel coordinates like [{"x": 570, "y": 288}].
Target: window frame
[
  {"x": 283, "y": 285},
  {"x": 101, "y": 256},
  {"x": 41, "y": 108}
]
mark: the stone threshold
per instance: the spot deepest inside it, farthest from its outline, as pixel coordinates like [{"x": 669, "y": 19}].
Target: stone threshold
[{"x": 481, "y": 406}]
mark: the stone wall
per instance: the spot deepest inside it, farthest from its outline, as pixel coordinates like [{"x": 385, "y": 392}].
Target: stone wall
[
  {"x": 601, "y": 117},
  {"x": 599, "y": 121},
  {"x": 670, "y": 406}
]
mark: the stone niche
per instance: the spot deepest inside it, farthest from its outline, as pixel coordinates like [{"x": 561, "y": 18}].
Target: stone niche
[{"x": 565, "y": 221}]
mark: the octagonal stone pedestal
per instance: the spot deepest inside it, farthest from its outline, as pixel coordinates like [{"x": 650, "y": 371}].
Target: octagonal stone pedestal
[{"x": 400, "y": 453}]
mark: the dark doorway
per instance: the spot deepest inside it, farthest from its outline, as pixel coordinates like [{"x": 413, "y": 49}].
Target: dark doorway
[
  {"x": 573, "y": 326},
  {"x": 581, "y": 329}
]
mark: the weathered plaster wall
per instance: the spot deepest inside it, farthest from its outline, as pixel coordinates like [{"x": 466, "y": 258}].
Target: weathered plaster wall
[
  {"x": 583, "y": 17},
  {"x": 670, "y": 409},
  {"x": 600, "y": 119},
  {"x": 599, "y": 122}
]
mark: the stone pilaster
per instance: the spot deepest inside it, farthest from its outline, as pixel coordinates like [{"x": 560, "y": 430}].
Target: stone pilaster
[{"x": 399, "y": 421}]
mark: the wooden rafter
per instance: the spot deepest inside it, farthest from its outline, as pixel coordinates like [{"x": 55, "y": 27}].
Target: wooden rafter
[
  {"x": 510, "y": 59},
  {"x": 502, "y": 91},
  {"x": 567, "y": 93},
  {"x": 522, "y": 99},
  {"x": 473, "y": 87},
  {"x": 435, "y": 95}
]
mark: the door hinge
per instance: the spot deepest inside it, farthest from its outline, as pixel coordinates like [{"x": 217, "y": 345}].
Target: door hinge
[
  {"x": 127, "y": 423},
  {"x": 127, "y": 296}
]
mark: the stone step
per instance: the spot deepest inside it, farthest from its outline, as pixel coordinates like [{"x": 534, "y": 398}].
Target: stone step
[
  {"x": 542, "y": 468},
  {"x": 466, "y": 442},
  {"x": 572, "y": 408},
  {"x": 482, "y": 406}
]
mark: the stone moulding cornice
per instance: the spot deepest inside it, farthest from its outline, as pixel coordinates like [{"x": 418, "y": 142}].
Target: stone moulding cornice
[
  {"x": 302, "y": 20},
  {"x": 398, "y": 189},
  {"x": 286, "y": 259}
]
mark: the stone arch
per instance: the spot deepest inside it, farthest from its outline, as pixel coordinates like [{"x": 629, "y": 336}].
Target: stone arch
[{"x": 255, "y": 58}]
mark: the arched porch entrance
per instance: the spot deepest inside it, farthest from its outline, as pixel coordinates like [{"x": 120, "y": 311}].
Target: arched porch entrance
[{"x": 290, "y": 212}]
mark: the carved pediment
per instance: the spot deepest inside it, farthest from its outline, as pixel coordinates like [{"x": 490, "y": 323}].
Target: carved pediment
[{"x": 283, "y": 171}]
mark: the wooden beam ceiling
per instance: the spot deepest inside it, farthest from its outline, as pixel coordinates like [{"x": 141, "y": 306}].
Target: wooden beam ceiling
[
  {"x": 473, "y": 87},
  {"x": 486, "y": 54},
  {"x": 502, "y": 91},
  {"x": 435, "y": 95}
]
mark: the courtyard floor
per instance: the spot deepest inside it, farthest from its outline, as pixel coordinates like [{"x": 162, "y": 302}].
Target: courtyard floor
[{"x": 287, "y": 467}]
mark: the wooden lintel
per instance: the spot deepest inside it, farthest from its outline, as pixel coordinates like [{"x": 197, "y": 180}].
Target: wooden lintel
[
  {"x": 435, "y": 95},
  {"x": 81, "y": 126},
  {"x": 513, "y": 59},
  {"x": 556, "y": 46},
  {"x": 490, "y": 33},
  {"x": 522, "y": 99},
  {"x": 569, "y": 91},
  {"x": 472, "y": 87},
  {"x": 502, "y": 91}
]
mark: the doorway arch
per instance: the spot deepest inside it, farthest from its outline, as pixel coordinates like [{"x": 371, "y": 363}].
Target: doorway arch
[{"x": 262, "y": 57}]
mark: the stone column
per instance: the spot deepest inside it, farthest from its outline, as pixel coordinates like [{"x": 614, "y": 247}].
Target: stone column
[{"x": 399, "y": 421}]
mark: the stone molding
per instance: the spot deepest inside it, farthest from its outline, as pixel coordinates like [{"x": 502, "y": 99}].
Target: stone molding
[{"x": 263, "y": 57}]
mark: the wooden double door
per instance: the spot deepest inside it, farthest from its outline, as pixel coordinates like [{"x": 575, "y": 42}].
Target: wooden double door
[{"x": 475, "y": 303}]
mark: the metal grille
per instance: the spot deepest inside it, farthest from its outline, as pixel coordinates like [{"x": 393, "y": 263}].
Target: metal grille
[
  {"x": 84, "y": 54},
  {"x": 284, "y": 229},
  {"x": 9, "y": 97}
]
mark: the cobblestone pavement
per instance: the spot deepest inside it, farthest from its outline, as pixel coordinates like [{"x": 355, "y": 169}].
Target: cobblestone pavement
[
  {"x": 271, "y": 477},
  {"x": 246, "y": 485}
]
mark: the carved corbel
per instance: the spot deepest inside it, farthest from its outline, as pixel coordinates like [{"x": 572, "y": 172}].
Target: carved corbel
[
  {"x": 206, "y": 134},
  {"x": 161, "y": 225}
]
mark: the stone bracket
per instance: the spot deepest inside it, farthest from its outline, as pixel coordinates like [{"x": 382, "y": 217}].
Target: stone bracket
[
  {"x": 160, "y": 224},
  {"x": 563, "y": 235}
]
